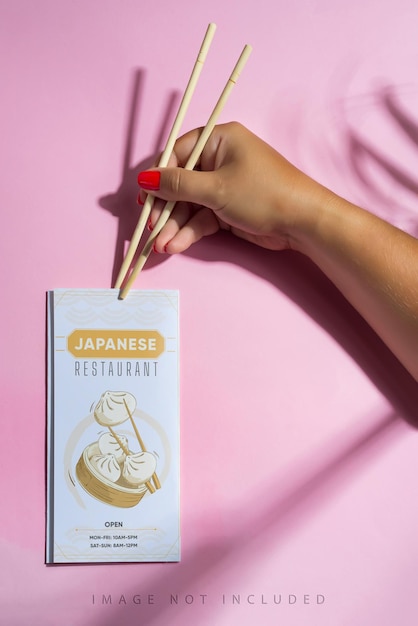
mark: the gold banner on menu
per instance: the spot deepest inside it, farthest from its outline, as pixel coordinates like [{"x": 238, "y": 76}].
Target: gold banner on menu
[{"x": 143, "y": 344}]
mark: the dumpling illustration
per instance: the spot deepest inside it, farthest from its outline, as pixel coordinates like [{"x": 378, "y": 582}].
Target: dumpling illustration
[
  {"x": 113, "y": 406},
  {"x": 138, "y": 468},
  {"x": 107, "y": 466},
  {"x": 109, "y": 445}
]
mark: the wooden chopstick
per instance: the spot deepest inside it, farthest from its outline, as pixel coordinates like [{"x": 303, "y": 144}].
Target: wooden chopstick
[
  {"x": 146, "y": 209},
  {"x": 193, "y": 158}
]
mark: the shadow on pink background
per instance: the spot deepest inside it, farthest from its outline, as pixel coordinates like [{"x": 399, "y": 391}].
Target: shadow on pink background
[{"x": 298, "y": 426}]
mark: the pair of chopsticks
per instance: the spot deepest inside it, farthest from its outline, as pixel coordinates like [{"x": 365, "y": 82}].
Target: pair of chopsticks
[{"x": 193, "y": 158}]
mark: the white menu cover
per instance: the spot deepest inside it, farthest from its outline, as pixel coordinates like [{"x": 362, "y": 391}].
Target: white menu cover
[{"x": 113, "y": 426}]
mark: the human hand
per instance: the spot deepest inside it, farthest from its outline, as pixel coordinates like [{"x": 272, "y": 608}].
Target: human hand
[
  {"x": 241, "y": 184},
  {"x": 245, "y": 186}
]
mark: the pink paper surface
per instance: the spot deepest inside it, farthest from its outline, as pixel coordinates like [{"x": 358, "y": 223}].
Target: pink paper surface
[{"x": 299, "y": 443}]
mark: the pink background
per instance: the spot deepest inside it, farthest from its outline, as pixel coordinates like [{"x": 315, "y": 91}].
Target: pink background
[{"x": 299, "y": 446}]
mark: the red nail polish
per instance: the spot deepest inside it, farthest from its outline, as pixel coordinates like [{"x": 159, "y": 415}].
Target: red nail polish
[
  {"x": 149, "y": 225},
  {"x": 139, "y": 200},
  {"x": 149, "y": 180}
]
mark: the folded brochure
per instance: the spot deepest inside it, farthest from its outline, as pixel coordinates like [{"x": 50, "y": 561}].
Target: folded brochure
[{"x": 113, "y": 427}]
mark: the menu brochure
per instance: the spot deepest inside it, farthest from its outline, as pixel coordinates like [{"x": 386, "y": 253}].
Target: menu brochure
[{"x": 113, "y": 426}]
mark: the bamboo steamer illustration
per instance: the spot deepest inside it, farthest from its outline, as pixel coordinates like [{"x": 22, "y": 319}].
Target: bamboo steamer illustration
[{"x": 107, "y": 469}]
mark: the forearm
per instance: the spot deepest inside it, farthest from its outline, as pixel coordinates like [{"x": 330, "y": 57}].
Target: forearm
[{"x": 375, "y": 266}]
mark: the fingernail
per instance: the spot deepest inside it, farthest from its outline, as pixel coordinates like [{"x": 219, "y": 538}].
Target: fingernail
[
  {"x": 139, "y": 200},
  {"x": 149, "y": 180},
  {"x": 149, "y": 225},
  {"x": 155, "y": 249}
]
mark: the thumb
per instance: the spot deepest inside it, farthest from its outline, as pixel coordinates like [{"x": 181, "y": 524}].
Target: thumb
[{"x": 176, "y": 183}]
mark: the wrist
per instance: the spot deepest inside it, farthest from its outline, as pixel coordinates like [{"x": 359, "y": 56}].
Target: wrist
[
  {"x": 333, "y": 231},
  {"x": 311, "y": 216}
]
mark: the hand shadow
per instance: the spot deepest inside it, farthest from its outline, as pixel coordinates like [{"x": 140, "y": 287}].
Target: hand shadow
[
  {"x": 122, "y": 203},
  {"x": 297, "y": 277}
]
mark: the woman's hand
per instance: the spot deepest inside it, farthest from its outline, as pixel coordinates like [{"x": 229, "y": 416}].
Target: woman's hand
[
  {"x": 242, "y": 184},
  {"x": 245, "y": 186}
]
